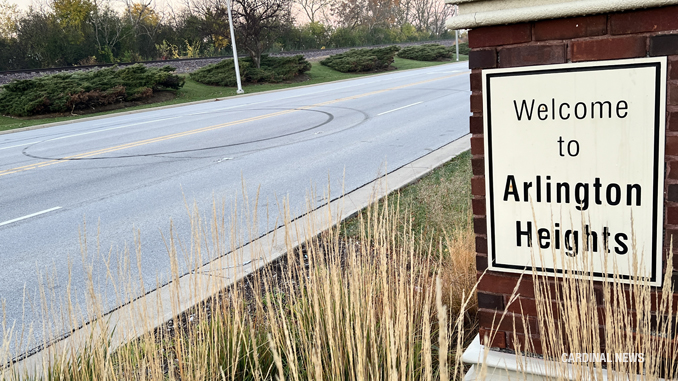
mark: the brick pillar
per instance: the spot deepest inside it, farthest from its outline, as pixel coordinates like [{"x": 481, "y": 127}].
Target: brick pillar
[{"x": 641, "y": 33}]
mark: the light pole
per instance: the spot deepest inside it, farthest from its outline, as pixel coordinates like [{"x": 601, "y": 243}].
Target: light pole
[
  {"x": 235, "y": 50},
  {"x": 456, "y": 42},
  {"x": 456, "y": 33}
]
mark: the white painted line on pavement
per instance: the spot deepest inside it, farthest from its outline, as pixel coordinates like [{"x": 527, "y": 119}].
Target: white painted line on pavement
[
  {"x": 19, "y": 145},
  {"x": 30, "y": 215},
  {"x": 89, "y": 132},
  {"x": 400, "y": 108}
]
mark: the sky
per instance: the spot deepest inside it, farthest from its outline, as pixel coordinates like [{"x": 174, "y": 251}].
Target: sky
[{"x": 23, "y": 4}]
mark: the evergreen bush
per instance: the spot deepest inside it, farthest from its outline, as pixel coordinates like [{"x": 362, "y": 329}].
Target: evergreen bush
[
  {"x": 362, "y": 59},
  {"x": 85, "y": 89},
  {"x": 464, "y": 49},
  {"x": 426, "y": 52},
  {"x": 273, "y": 69}
]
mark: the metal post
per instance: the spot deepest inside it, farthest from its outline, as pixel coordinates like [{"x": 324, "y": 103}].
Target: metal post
[
  {"x": 235, "y": 50},
  {"x": 456, "y": 42}
]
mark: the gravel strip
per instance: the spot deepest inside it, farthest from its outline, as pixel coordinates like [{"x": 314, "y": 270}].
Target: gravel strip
[{"x": 188, "y": 66}]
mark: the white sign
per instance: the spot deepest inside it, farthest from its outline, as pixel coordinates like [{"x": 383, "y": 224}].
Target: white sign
[{"x": 574, "y": 166}]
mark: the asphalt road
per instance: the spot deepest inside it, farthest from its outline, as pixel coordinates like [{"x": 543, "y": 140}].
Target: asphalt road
[{"x": 74, "y": 197}]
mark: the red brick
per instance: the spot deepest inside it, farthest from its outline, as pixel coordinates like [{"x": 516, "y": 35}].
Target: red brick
[
  {"x": 575, "y": 27},
  {"x": 493, "y": 340},
  {"x": 476, "y": 124},
  {"x": 528, "y": 306},
  {"x": 503, "y": 283},
  {"x": 673, "y": 168},
  {"x": 481, "y": 245},
  {"x": 481, "y": 262},
  {"x": 477, "y": 145},
  {"x": 476, "y": 102},
  {"x": 673, "y": 93},
  {"x": 480, "y": 224},
  {"x": 499, "y": 35},
  {"x": 478, "y": 185},
  {"x": 609, "y": 48},
  {"x": 673, "y": 67},
  {"x": 476, "y": 80},
  {"x": 478, "y": 165},
  {"x": 520, "y": 343},
  {"x": 528, "y": 55},
  {"x": 649, "y": 20},
  {"x": 671, "y": 146},
  {"x": 672, "y": 215},
  {"x": 479, "y": 206},
  {"x": 482, "y": 59},
  {"x": 672, "y": 120},
  {"x": 655, "y": 301}
]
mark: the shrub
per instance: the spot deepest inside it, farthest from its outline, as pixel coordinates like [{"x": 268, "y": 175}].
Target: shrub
[
  {"x": 273, "y": 69},
  {"x": 464, "y": 49},
  {"x": 426, "y": 52},
  {"x": 85, "y": 89},
  {"x": 362, "y": 59}
]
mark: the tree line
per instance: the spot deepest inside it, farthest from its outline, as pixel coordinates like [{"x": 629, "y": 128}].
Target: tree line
[{"x": 81, "y": 32}]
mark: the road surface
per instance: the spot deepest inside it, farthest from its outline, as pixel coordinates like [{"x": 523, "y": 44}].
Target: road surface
[{"x": 75, "y": 197}]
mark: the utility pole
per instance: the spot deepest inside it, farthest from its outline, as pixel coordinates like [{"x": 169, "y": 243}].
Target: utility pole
[{"x": 235, "y": 50}]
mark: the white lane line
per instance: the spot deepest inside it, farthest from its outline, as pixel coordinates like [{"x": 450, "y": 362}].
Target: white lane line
[
  {"x": 112, "y": 128},
  {"x": 90, "y": 132},
  {"x": 19, "y": 145},
  {"x": 30, "y": 215},
  {"x": 400, "y": 108}
]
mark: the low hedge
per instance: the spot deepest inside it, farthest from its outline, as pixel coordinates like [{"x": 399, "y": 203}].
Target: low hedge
[
  {"x": 356, "y": 60},
  {"x": 426, "y": 52},
  {"x": 272, "y": 70},
  {"x": 85, "y": 89},
  {"x": 464, "y": 49}
]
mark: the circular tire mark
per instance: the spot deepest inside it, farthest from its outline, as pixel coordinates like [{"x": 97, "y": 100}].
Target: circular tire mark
[{"x": 330, "y": 117}]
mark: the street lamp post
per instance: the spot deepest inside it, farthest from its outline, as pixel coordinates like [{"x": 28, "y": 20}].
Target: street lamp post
[
  {"x": 456, "y": 33},
  {"x": 235, "y": 49},
  {"x": 456, "y": 42}
]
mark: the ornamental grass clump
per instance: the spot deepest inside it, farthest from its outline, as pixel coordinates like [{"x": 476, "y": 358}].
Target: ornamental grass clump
[
  {"x": 426, "y": 52},
  {"x": 67, "y": 92},
  {"x": 271, "y": 70},
  {"x": 359, "y": 60},
  {"x": 585, "y": 329},
  {"x": 376, "y": 308}
]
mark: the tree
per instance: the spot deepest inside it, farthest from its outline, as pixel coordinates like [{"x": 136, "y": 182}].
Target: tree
[
  {"x": 430, "y": 15},
  {"x": 315, "y": 10},
  {"x": 369, "y": 13},
  {"x": 109, "y": 31},
  {"x": 9, "y": 20},
  {"x": 258, "y": 23}
]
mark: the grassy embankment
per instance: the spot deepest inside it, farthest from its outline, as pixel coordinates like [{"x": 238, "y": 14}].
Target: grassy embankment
[{"x": 194, "y": 91}]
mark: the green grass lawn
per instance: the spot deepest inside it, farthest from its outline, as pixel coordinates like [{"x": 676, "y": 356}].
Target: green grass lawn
[
  {"x": 194, "y": 91},
  {"x": 435, "y": 205}
]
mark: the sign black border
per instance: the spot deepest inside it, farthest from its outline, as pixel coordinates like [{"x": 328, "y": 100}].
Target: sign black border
[{"x": 657, "y": 129}]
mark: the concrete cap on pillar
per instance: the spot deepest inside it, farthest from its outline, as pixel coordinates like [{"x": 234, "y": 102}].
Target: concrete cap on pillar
[{"x": 477, "y": 13}]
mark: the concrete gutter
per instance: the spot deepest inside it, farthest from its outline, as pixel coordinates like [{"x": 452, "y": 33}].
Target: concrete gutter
[
  {"x": 163, "y": 304},
  {"x": 474, "y": 13}
]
